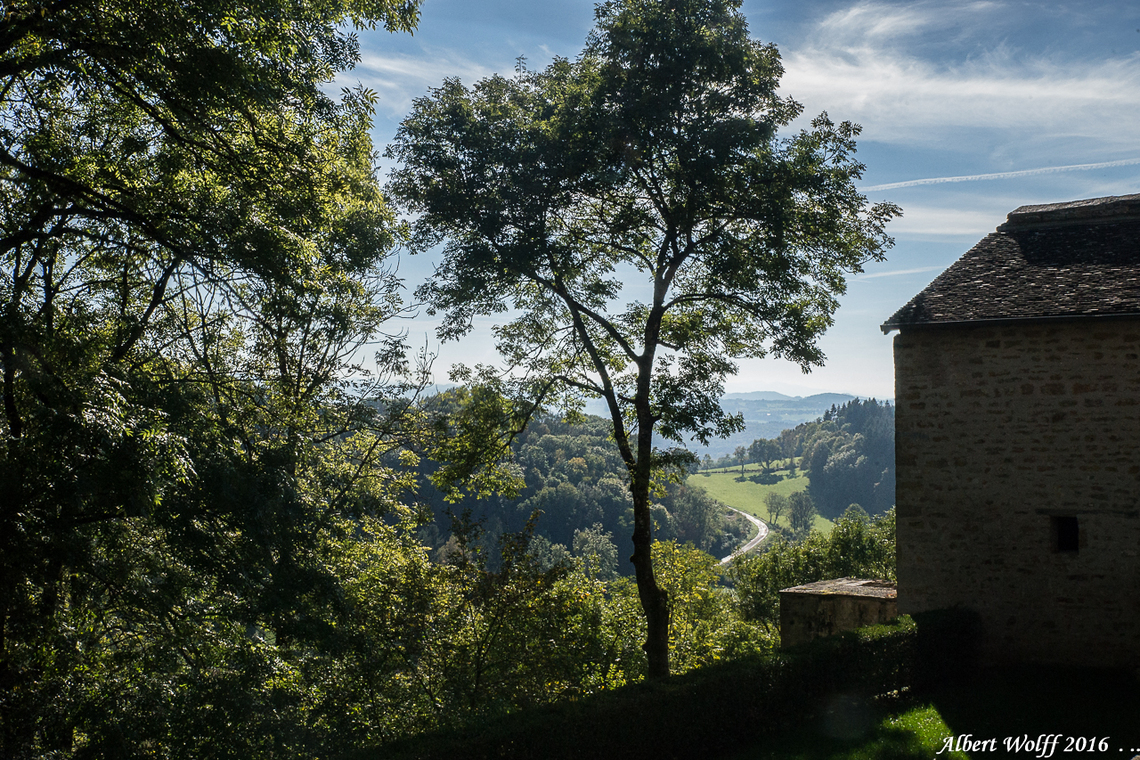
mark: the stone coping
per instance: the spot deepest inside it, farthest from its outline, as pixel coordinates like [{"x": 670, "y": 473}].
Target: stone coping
[{"x": 847, "y": 587}]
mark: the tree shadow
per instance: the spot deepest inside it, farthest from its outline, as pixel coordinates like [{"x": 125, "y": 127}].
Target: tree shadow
[
  {"x": 765, "y": 478},
  {"x": 1031, "y": 701},
  {"x": 847, "y": 728}
]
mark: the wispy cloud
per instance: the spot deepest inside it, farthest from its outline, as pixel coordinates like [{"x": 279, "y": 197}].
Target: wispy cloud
[
  {"x": 883, "y": 22},
  {"x": 871, "y": 63},
  {"x": 897, "y": 273},
  {"x": 1002, "y": 175},
  {"x": 950, "y": 221},
  {"x": 400, "y": 78}
]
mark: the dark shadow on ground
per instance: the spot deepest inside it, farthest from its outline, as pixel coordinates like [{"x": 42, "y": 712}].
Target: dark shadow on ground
[
  {"x": 1029, "y": 702},
  {"x": 850, "y": 727},
  {"x": 766, "y": 478}
]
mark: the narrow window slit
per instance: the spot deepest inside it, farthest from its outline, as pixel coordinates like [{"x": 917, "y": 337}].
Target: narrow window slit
[{"x": 1066, "y": 534}]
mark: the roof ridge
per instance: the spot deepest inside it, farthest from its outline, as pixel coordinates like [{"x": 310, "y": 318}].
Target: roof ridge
[{"x": 1111, "y": 208}]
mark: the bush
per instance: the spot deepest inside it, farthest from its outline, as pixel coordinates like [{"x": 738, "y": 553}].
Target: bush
[{"x": 856, "y": 547}]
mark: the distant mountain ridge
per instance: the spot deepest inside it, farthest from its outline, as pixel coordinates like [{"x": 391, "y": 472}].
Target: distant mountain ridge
[
  {"x": 766, "y": 415},
  {"x": 762, "y": 396}
]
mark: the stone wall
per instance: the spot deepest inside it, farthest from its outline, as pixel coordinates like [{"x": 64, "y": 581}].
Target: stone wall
[
  {"x": 825, "y": 608},
  {"x": 1004, "y": 435}
]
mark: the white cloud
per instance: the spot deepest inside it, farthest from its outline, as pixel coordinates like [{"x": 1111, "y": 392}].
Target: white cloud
[
  {"x": 1002, "y": 175},
  {"x": 886, "y": 22},
  {"x": 400, "y": 78},
  {"x": 866, "y": 64},
  {"x": 897, "y": 273},
  {"x": 882, "y": 22},
  {"x": 919, "y": 222}
]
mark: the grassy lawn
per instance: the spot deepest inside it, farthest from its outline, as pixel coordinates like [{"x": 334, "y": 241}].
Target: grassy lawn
[
  {"x": 850, "y": 730},
  {"x": 1020, "y": 704},
  {"x": 748, "y": 495}
]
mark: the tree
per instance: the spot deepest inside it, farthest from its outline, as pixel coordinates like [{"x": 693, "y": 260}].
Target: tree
[
  {"x": 855, "y": 547},
  {"x": 595, "y": 550},
  {"x": 764, "y": 451},
  {"x": 192, "y": 243},
  {"x": 851, "y": 458},
  {"x": 801, "y": 510},
  {"x": 741, "y": 457},
  {"x": 777, "y": 505},
  {"x": 647, "y": 172},
  {"x": 787, "y": 442}
]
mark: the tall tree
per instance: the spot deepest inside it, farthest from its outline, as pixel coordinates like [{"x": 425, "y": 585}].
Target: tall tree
[
  {"x": 192, "y": 244},
  {"x": 741, "y": 456},
  {"x": 649, "y": 173},
  {"x": 764, "y": 451},
  {"x": 777, "y": 505},
  {"x": 801, "y": 511}
]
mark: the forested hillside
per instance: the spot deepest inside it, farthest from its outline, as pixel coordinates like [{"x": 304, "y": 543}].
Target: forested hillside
[
  {"x": 575, "y": 480},
  {"x": 848, "y": 455},
  {"x": 850, "y": 458}
]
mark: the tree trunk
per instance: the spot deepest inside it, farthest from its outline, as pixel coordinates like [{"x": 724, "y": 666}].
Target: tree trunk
[{"x": 654, "y": 600}]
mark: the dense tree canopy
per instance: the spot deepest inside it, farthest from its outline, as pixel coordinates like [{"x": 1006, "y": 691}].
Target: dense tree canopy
[
  {"x": 192, "y": 245},
  {"x": 850, "y": 457},
  {"x": 205, "y": 545},
  {"x": 638, "y": 210},
  {"x": 573, "y": 476}
]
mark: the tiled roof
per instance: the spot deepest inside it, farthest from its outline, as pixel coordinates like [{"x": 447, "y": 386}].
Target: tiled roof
[{"x": 1077, "y": 259}]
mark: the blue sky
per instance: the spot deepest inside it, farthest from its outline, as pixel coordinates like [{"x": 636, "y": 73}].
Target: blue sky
[{"x": 969, "y": 109}]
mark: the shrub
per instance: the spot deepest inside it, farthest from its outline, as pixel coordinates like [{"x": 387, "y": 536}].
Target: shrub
[{"x": 856, "y": 547}]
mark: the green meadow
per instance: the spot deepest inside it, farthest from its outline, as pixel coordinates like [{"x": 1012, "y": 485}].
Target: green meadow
[{"x": 747, "y": 493}]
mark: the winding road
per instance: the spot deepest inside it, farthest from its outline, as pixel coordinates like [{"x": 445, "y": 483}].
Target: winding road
[{"x": 761, "y": 532}]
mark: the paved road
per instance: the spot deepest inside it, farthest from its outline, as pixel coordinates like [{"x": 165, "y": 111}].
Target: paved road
[{"x": 761, "y": 532}]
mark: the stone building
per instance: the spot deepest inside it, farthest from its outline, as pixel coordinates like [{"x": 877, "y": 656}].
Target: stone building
[{"x": 1017, "y": 381}]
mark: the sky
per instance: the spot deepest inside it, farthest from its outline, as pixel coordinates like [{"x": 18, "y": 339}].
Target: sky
[{"x": 968, "y": 110}]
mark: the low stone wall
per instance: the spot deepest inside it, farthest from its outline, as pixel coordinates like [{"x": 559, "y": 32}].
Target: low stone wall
[{"x": 827, "y": 607}]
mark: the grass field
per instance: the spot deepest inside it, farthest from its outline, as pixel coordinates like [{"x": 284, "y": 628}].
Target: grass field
[{"x": 748, "y": 495}]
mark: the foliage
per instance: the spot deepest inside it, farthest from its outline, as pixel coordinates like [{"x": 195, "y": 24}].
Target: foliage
[
  {"x": 574, "y": 476},
  {"x": 848, "y": 453},
  {"x": 850, "y": 457},
  {"x": 433, "y": 645},
  {"x": 704, "y": 627},
  {"x": 801, "y": 511},
  {"x": 649, "y": 169},
  {"x": 764, "y": 451},
  {"x": 776, "y": 504},
  {"x": 856, "y": 547},
  {"x": 720, "y": 710},
  {"x": 193, "y": 244}
]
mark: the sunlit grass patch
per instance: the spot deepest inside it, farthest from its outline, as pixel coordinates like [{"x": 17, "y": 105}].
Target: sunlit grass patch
[
  {"x": 748, "y": 496},
  {"x": 919, "y": 732}
]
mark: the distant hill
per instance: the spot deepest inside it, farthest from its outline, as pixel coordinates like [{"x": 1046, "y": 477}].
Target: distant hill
[
  {"x": 766, "y": 415},
  {"x": 762, "y": 396}
]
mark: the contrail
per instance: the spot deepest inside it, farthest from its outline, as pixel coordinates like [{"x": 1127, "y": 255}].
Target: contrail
[{"x": 1002, "y": 175}]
